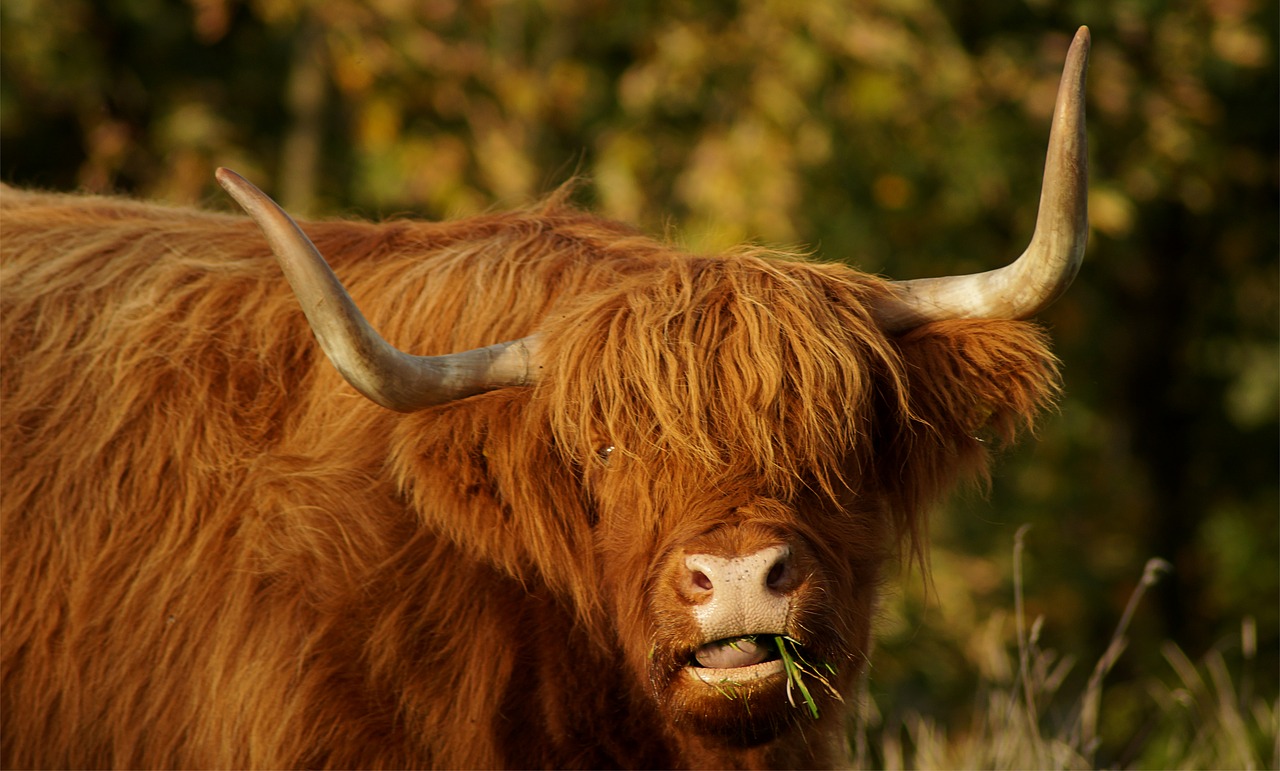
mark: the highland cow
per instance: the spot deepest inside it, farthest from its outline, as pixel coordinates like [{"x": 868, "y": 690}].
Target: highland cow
[{"x": 629, "y": 506}]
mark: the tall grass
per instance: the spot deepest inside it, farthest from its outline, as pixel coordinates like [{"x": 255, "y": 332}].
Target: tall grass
[{"x": 1195, "y": 715}]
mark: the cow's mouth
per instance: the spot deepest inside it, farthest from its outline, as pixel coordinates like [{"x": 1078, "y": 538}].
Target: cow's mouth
[
  {"x": 738, "y": 661},
  {"x": 762, "y": 661},
  {"x": 736, "y": 652}
]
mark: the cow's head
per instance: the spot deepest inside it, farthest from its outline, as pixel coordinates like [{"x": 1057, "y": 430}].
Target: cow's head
[
  {"x": 725, "y": 449},
  {"x": 753, "y": 446}
]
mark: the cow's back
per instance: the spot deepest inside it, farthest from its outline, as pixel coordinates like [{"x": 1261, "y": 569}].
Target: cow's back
[
  {"x": 193, "y": 502},
  {"x": 146, "y": 366}
]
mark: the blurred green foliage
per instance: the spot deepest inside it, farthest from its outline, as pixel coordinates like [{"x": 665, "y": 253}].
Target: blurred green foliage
[{"x": 905, "y": 136}]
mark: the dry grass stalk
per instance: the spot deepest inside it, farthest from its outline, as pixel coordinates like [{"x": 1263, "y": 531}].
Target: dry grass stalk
[{"x": 1209, "y": 718}]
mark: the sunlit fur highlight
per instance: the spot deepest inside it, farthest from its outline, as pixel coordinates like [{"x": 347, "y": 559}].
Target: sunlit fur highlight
[
  {"x": 792, "y": 342},
  {"x": 216, "y": 553}
]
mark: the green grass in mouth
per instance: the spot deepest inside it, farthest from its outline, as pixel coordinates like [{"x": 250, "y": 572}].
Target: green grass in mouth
[{"x": 796, "y": 668}]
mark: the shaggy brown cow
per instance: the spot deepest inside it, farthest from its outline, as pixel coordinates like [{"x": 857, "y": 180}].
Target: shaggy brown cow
[{"x": 646, "y": 532}]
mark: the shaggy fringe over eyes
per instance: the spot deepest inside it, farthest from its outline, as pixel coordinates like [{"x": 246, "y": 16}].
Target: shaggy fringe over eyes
[
  {"x": 774, "y": 370},
  {"x": 736, "y": 364}
]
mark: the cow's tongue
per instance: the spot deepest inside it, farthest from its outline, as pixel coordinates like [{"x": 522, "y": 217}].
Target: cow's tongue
[{"x": 732, "y": 653}]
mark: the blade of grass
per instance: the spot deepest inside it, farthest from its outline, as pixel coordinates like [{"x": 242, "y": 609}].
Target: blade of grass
[{"x": 795, "y": 675}]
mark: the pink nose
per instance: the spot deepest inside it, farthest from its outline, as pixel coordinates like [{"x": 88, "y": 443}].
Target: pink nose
[
  {"x": 745, "y": 594},
  {"x": 766, "y": 570}
]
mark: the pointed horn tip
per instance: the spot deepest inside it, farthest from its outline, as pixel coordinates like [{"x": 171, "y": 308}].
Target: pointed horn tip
[
  {"x": 1078, "y": 52},
  {"x": 226, "y": 176},
  {"x": 254, "y": 202},
  {"x": 237, "y": 186}
]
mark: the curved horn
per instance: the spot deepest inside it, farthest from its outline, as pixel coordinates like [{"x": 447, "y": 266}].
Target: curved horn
[
  {"x": 390, "y": 377},
  {"x": 1049, "y": 264}
]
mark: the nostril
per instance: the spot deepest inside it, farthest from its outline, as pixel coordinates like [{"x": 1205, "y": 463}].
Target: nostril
[
  {"x": 778, "y": 575},
  {"x": 701, "y": 580}
]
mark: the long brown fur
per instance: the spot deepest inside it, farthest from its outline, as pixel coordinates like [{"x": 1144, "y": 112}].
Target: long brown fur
[{"x": 217, "y": 554}]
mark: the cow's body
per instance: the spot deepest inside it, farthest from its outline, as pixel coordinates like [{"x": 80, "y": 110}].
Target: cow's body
[
  {"x": 196, "y": 515},
  {"x": 217, "y": 554}
]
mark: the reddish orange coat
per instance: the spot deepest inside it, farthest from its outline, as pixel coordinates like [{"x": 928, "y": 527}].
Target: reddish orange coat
[{"x": 217, "y": 554}]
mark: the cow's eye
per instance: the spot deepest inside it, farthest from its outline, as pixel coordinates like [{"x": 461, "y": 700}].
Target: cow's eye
[{"x": 604, "y": 453}]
